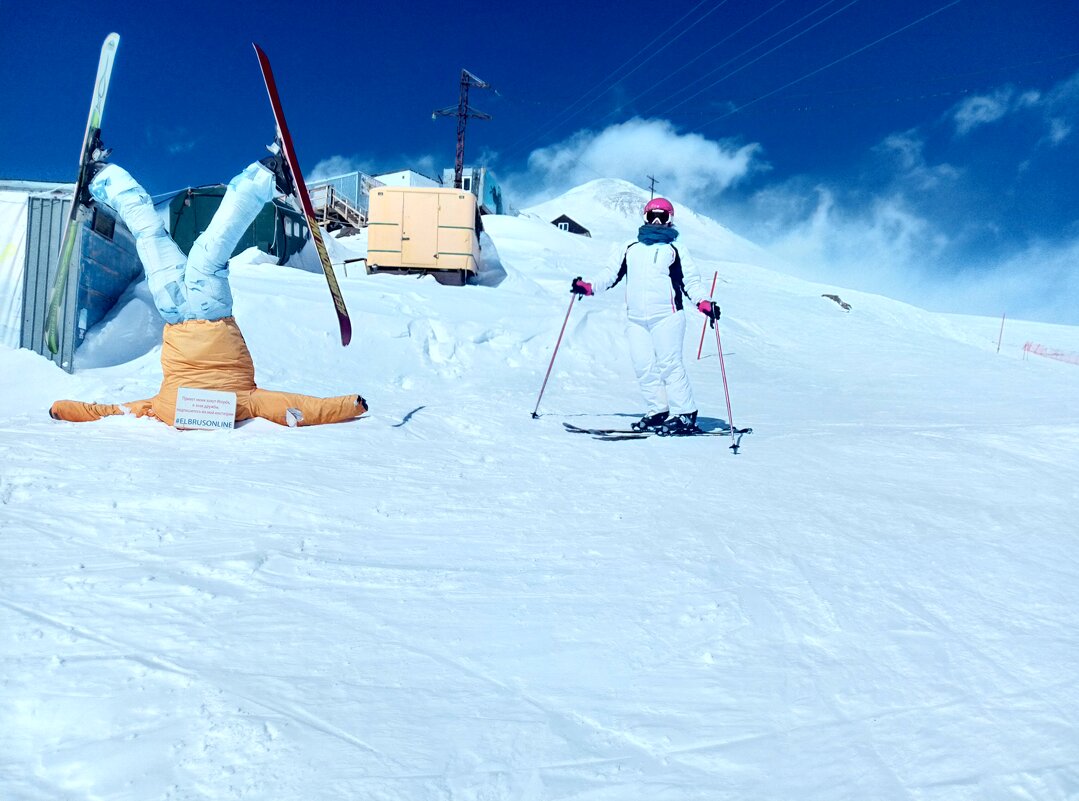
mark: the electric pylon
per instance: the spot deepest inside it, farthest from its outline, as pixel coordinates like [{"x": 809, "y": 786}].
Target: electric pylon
[{"x": 462, "y": 111}]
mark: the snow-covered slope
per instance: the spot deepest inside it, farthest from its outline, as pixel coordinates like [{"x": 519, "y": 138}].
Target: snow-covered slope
[
  {"x": 450, "y": 600},
  {"x": 610, "y": 209}
]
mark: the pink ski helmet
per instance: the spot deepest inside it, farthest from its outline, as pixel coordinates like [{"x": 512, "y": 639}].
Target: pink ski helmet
[{"x": 660, "y": 210}]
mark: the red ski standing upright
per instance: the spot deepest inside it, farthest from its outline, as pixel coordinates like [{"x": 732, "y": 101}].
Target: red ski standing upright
[{"x": 302, "y": 197}]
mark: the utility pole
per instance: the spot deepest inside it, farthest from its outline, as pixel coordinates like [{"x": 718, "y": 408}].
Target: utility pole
[
  {"x": 462, "y": 111},
  {"x": 652, "y": 188}
]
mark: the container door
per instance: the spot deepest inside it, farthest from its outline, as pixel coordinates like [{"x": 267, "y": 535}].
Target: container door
[
  {"x": 419, "y": 230},
  {"x": 384, "y": 229},
  {"x": 457, "y": 243}
]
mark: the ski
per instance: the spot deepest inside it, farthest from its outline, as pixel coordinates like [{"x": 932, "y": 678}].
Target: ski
[
  {"x": 90, "y": 142},
  {"x": 578, "y": 430},
  {"x": 735, "y": 435},
  {"x": 616, "y": 436},
  {"x": 302, "y": 198},
  {"x": 629, "y": 433}
]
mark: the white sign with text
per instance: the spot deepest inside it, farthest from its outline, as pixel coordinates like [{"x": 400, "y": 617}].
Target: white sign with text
[{"x": 205, "y": 409}]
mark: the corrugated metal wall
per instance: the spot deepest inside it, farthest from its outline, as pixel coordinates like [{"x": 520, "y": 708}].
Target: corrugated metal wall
[
  {"x": 44, "y": 228},
  {"x": 103, "y": 265}
]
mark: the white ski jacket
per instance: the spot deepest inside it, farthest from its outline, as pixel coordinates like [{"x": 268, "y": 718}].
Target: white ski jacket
[{"x": 657, "y": 277}]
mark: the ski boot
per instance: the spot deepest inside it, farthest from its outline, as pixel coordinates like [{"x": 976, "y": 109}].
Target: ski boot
[
  {"x": 650, "y": 421},
  {"x": 681, "y": 425},
  {"x": 277, "y": 164},
  {"x": 95, "y": 163}
]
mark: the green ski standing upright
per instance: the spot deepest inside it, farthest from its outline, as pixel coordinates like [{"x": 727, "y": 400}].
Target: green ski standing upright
[{"x": 90, "y": 143}]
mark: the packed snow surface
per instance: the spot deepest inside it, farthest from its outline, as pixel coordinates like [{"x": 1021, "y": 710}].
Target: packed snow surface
[{"x": 450, "y": 600}]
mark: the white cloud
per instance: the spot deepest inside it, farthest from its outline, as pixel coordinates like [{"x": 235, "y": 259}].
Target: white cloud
[
  {"x": 982, "y": 110},
  {"x": 338, "y": 165},
  {"x": 893, "y": 227},
  {"x": 876, "y": 239},
  {"x": 686, "y": 166},
  {"x": 907, "y": 149},
  {"x": 181, "y": 147},
  {"x": 341, "y": 165},
  {"x": 426, "y": 165},
  {"x": 1056, "y": 106},
  {"x": 886, "y": 246},
  {"x": 1062, "y": 109},
  {"x": 877, "y": 247},
  {"x": 1059, "y": 130},
  {"x": 1065, "y": 95},
  {"x": 1030, "y": 98},
  {"x": 1040, "y": 282},
  {"x": 174, "y": 139}
]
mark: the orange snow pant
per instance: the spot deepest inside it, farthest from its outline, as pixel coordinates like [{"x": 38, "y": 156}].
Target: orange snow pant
[{"x": 212, "y": 354}]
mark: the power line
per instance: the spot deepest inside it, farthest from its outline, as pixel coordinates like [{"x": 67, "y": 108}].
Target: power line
[
  {"x": 661, "y": 49},
  {"x": 867, "y": 96},
  {"x": 907, "y": 87},
  {"x": 749, "y": 50},
  {"x": 851, "y": 54},
  {"x": 762, "y": 55},
  {"x": 668, "y": 76},
  {"x": 606, "y": 83}
]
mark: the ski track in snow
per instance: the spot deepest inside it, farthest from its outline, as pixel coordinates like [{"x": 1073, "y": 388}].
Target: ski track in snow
[{"x": 449, "y": 600}]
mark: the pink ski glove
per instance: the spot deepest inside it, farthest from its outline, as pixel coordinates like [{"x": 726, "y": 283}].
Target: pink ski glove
[
  {"x": 581, "y": 287},
  {"x": 709, "y": 309}
]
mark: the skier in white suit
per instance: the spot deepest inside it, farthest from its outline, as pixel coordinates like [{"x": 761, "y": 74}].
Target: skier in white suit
[{"x": 657, "y": 276}]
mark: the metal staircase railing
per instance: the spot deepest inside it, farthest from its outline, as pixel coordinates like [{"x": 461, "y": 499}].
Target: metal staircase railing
[{"x": 331, "y": 206}]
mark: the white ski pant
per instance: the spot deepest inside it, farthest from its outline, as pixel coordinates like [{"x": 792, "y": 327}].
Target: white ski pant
[
  {"x": 655, "y": 346},
  {"x": 193, "y": 287}
]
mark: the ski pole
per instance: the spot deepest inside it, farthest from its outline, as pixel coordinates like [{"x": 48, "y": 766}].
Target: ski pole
[
  {"x": 704, "y": 325},
  {"x": 726, "y": 392},
  {"x": 556, "y": 346}
]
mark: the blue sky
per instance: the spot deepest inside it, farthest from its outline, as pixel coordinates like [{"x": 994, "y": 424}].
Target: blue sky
[{"x": 925, "y": 149}]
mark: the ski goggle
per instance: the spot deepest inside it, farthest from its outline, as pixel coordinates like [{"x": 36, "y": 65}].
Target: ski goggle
[{"x": 657, "y": 217}]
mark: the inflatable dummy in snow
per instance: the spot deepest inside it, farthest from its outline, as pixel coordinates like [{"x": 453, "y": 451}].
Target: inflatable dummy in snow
[{"x": 202, "y": 346}]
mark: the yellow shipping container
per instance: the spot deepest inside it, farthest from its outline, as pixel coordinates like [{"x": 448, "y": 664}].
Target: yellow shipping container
[{"x": 413, "y": 229}]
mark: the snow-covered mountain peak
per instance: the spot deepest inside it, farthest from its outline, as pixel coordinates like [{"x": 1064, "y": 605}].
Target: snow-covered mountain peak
[
  {"x": 614, "y": 194},
  {"x": 611, "y": 209}
]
